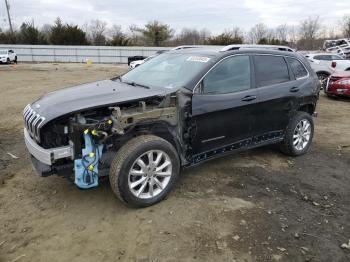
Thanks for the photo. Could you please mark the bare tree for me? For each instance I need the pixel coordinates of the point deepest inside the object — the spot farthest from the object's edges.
(257, 33)
(188, 36)
(204, 34)
(136, 35)
(282, 32)
(292, 36)
(346, 26)
(192, 36)
(118, 37)
(97, 30)
(309, 30)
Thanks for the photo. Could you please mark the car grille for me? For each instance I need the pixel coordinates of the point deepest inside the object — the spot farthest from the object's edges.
(33, 121)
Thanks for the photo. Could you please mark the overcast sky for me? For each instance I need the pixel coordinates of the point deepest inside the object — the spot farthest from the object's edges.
(215, 15)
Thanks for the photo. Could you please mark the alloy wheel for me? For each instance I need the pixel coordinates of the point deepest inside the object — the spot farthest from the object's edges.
(302, 134)
(150, 174)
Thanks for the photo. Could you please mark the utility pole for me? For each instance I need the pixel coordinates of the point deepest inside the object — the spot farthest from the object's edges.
(8, 15)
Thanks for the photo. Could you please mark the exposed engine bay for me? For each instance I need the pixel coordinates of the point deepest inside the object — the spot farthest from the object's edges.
(96, 134)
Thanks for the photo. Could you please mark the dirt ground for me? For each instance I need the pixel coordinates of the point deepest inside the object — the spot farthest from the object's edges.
(253, 206)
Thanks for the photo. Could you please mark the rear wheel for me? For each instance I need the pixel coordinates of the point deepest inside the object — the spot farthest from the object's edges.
(322, 77)
(144, 171)
(15, 60)
(299, 134)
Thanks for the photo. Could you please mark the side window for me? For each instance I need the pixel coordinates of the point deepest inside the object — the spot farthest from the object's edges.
(230, 75)
(319, 57)
(335, 57)
(297, 67)
(270, 70)
(10, 51)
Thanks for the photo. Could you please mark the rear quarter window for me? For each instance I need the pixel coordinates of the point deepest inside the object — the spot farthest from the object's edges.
(297, 67)
(270, 70)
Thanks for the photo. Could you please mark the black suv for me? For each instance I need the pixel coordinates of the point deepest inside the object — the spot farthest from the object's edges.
(177, 110)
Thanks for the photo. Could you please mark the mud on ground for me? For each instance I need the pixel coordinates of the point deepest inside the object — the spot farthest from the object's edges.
(254, 206)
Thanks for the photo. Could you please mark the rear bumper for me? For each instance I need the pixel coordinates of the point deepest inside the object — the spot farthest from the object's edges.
(47, 156)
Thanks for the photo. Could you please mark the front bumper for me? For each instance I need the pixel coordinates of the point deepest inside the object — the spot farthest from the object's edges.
(3, 59)
(47, 156)
(338, 90)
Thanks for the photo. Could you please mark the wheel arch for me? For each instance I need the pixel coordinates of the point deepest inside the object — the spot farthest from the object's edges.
(161, 129)
(323, 72)
(308, 108)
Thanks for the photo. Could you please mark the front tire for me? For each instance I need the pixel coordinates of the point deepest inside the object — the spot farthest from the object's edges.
(144, 171)
(8, 61)
(298, 135)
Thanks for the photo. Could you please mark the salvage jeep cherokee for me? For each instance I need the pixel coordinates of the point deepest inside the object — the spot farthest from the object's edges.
(177, 110)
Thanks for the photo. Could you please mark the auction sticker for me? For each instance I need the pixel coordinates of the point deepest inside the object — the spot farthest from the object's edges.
(201, 59)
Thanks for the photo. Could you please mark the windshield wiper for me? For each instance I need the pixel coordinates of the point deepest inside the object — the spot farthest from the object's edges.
(116, 78)
(136, 84)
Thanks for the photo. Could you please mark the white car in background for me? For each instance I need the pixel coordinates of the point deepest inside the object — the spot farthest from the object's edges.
(8, 56)
(323, 71)
(333, 60)
(136, 63)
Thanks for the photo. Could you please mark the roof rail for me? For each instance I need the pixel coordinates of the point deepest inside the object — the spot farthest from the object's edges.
(186, 47)
(272, 47)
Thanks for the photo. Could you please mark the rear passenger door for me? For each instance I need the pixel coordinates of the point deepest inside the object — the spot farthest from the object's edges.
(277, 94)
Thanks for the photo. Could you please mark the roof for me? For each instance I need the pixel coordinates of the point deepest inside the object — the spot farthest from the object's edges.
(244, 46)
(217, 51)
(313, 54)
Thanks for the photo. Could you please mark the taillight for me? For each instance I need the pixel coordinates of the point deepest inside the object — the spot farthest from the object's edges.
(334, 64)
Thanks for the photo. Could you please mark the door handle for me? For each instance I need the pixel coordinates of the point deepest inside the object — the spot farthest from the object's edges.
(294, 89)
(248, 98)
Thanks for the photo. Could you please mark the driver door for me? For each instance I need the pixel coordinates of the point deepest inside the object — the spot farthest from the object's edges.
(223, 106)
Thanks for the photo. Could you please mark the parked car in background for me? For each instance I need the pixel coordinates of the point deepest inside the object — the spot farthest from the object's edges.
(8, 56)
(179, 109)
(333, 60)
(136, 63)
(322, 70)
(139, 58)
(338, 84)
(338, 46)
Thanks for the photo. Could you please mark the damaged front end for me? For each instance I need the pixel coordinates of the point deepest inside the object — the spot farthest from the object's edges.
(82, 145)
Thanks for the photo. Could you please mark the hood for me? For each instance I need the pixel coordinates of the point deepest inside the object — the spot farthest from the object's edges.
(342, 74)
(89, 96)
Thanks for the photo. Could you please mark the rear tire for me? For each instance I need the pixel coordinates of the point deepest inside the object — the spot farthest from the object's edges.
(138, 177)
(15, 61)
(322, 78)
(298, 135)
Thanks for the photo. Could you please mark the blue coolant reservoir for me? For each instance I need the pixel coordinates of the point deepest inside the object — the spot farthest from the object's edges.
(86, 168)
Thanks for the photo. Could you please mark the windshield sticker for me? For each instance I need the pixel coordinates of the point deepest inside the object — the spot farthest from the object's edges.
(201, 59)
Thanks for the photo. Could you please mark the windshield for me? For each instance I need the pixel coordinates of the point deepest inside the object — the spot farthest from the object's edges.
(167, 71)
(3, 52)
